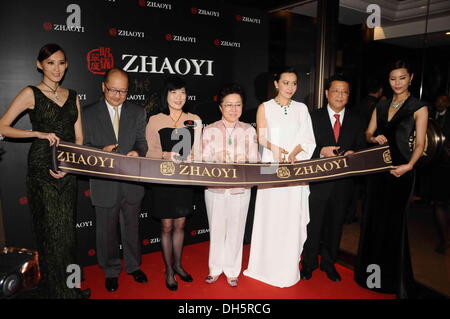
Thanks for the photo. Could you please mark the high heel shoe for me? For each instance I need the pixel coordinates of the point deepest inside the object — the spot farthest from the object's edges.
(172, 287)
(187, 277)
(233, 282)
(211, 279)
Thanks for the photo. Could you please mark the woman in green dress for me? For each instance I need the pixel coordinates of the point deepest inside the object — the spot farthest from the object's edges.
(55, 115)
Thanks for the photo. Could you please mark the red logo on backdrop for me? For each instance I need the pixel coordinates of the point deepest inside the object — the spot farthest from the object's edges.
(142, 3)
(194, 233)
(169, 37)
(238, 17)
(112, 32)
(194, 10)
(48, 26)
(87, 193)
(215, 98)
(216, 42)
(91, 252)
(23, 200)
(100, 60)
(145, 242)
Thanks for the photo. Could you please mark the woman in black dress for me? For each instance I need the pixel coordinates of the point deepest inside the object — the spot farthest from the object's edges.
(55, 114)
(384, 237)
(172, 203)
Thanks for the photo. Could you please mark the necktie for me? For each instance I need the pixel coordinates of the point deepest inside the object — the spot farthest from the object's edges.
(337, 127)
(116, 122)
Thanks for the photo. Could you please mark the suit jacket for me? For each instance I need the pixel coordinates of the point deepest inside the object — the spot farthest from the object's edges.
(351, 137)
(98, 132)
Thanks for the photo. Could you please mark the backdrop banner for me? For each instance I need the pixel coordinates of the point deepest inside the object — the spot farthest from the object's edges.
(76, 159)
(207, 43)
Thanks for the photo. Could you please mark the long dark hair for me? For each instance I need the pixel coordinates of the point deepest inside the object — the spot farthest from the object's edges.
(170, 84)
(400, 64)
(47, 50)
(287, 69)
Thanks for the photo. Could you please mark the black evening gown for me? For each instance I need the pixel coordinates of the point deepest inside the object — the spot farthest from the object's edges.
(384, 235)
(52, 201)
(172, 201)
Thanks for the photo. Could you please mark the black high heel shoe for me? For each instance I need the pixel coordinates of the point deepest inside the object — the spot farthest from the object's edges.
(172, 287)
(187, 277)
(84, 294)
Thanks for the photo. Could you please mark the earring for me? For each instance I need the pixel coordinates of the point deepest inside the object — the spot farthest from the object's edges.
(410, 83)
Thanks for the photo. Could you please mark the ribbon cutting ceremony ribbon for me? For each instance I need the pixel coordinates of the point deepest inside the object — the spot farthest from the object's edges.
(84, 160)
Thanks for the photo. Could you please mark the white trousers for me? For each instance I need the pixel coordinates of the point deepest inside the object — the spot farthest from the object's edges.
(227, 214)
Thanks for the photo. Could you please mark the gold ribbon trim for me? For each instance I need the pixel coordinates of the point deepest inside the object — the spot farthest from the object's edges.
(76, 159)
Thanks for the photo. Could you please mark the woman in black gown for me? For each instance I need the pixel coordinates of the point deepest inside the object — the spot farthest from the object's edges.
(173, 203)
(55, 114)
(384, 236)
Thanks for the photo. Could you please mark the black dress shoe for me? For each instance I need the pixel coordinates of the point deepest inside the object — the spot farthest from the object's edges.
(139, 276)
(305, 273)
(111, 284)
(85, 293)
(332, 273)
(173, 286)
(187, 277)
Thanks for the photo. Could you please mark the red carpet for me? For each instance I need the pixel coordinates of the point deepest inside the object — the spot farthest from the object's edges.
(195, 261)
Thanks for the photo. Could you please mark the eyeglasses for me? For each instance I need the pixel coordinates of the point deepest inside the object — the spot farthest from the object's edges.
(229, 106)
(114, 91)
(340, 92)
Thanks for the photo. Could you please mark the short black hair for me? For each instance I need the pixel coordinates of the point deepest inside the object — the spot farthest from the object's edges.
(231, 88)
(336, 77)
(48, 50)
(170, 84)
(286, 69)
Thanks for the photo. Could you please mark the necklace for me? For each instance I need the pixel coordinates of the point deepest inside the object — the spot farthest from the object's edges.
(54, 91)
(175, 122)
(284, 107)
(230, 140)
(397, 105)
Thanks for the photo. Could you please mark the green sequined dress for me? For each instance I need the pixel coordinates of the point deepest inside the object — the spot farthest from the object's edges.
(52, 201)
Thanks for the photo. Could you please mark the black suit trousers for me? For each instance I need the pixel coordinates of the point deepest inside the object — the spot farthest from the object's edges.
(122, 216)
(328, 202)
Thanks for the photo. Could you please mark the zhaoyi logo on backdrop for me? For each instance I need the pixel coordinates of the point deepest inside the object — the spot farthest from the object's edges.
(205, 12)
(73, 21)
(125, 33)
(155, 64)
(225, 43)
(154, 4)
(151, 241)
(199, 232)
(85, 224)
(241, 18)
(180, 38)
(100, 60)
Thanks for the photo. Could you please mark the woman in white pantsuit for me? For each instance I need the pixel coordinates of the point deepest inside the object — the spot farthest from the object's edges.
(226, 141)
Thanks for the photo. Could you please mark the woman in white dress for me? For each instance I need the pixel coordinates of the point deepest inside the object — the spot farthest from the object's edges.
(281, 213)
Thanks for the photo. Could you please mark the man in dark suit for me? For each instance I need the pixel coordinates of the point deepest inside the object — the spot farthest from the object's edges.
(336, 130)
(113, 124)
